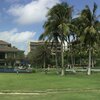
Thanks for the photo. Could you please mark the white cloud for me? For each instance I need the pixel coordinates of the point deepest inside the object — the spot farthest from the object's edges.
(15, 36)
(32, 12)
(18, 39)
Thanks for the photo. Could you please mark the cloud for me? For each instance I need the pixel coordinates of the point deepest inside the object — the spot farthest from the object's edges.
(15, 36)
(33, 12)
(18, 39)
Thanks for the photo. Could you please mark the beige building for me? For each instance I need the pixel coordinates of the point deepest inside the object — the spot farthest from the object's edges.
(52, 46)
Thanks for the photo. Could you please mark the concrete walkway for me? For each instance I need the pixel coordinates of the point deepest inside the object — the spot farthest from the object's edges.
(51, 91)
(1, 93)
(82, 70)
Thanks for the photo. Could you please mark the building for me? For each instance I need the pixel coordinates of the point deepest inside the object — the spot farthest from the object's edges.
(7, 53)
(52, 46)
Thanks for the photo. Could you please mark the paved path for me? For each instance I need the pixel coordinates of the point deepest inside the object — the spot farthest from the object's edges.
(1, 93)
(51, 91)
(83, 70)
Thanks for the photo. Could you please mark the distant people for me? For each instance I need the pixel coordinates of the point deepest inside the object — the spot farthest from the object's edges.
(49, 67)
(69, 66)
(29, 65)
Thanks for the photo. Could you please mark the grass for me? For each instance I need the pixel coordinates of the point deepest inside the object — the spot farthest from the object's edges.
(50, 86)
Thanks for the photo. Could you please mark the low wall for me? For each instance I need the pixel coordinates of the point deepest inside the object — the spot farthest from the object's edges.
(12, 70)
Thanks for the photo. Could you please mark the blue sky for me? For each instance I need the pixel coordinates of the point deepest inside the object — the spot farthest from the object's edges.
(22, 21)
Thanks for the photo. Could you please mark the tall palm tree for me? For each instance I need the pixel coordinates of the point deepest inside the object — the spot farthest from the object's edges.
(57, 26)
(89, 35)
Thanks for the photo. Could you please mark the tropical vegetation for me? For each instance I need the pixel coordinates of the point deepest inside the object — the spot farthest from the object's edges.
(81, 34)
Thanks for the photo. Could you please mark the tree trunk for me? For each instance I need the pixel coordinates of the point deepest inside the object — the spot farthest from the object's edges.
(44, 65)
(72, 61)
(56, 60)
(62, 61)
(92, 62)
(80, 61)
(89, 66)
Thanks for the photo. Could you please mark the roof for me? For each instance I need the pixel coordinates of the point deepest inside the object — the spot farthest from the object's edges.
(3, 42)
(8, 49)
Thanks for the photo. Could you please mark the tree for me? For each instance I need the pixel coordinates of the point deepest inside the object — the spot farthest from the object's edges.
(90, 34)
(40, 55)
(50, 35)
(59, 18)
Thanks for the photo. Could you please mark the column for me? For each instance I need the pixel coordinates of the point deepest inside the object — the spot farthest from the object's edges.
(5, 55)
(14, 55)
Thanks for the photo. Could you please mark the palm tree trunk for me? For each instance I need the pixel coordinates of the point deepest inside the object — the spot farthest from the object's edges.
(62, 61)
(92, 60)
(89, 66)
(56, 60)
(72, 61)
(44, 65)
(80, 61)
(92, 63)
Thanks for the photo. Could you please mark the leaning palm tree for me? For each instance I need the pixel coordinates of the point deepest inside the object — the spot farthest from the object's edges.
(51, 35)
(89, 36)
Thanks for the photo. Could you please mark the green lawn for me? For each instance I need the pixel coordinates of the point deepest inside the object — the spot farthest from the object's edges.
(50, 86)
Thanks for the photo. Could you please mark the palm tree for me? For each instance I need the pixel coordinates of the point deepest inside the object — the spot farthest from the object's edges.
(50, 35)
(57, 26)
(89, 35)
